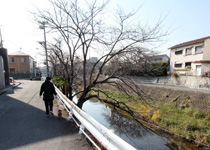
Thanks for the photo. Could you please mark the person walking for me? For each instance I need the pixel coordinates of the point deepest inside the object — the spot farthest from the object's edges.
(49, 91)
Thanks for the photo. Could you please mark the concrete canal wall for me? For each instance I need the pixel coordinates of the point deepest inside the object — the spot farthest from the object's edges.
(186, 81)
(193, 98)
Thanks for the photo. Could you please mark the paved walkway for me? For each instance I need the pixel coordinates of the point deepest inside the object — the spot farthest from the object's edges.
(24, 125)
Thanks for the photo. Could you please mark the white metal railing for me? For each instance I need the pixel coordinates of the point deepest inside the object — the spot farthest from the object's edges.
(105, 136)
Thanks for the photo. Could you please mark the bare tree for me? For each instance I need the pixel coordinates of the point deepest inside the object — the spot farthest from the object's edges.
(83, 29)
(132, 62)
(138, 62)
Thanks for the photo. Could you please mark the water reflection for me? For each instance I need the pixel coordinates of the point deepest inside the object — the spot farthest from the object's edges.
(131, 131)
(125, 125)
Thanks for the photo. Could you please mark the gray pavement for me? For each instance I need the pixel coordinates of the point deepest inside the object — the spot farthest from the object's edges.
(9, 87)
(24, 125)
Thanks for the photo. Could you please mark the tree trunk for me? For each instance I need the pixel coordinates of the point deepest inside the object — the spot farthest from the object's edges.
(70, 93)
(80, 102)
(63, 90)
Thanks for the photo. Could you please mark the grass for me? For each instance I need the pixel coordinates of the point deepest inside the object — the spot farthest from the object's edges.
(190, 123)
(183, 121)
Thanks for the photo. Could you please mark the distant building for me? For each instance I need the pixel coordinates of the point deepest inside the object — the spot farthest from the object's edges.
(160, 58)
(93, 59)
(43, 70)
(89, 65)
(20, 62)
(191, 58)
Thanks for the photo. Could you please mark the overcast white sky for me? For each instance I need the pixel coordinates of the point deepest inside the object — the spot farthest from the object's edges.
(188, 19)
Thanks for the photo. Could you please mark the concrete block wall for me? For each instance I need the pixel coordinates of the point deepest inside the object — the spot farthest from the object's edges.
(186, 81)
(195, 82)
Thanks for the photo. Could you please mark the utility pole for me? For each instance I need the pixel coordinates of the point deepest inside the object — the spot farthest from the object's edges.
(42, 26)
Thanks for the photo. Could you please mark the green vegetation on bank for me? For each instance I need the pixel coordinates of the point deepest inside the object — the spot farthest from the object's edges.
(181, 69)
(142, 69)
(181, 120)
(188, 122)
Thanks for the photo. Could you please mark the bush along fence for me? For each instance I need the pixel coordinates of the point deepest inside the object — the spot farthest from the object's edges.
(21, 75)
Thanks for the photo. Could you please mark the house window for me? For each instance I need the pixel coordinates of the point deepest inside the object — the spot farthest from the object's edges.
(11, 59)
(199, 49)
(23, 60)
(179, 52)
(188, 65)
(189, 51)
(178, 65)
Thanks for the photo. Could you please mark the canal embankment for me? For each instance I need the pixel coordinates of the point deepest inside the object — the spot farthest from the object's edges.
(180, 112)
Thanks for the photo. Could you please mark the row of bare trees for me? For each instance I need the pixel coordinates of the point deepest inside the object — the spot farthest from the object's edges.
(79, 29)
(137, 62)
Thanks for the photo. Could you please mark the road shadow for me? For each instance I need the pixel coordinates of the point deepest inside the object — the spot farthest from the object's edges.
(13, 89)
(23, 125)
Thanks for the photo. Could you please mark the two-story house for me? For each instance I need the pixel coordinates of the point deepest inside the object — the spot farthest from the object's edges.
(191, 58)
(20, 62)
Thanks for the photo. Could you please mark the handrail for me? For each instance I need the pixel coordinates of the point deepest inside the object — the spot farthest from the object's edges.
(105, 136)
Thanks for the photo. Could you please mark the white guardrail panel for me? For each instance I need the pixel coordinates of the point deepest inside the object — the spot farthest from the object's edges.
(105, 136)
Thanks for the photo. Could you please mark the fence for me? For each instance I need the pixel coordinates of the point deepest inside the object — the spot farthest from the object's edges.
(105, 136)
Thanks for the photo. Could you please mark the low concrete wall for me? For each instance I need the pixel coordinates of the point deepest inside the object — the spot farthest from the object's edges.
(186, 81)
(194, 82)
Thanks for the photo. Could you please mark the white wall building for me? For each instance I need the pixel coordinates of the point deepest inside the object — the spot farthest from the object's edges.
(160, 58)
(191, 58)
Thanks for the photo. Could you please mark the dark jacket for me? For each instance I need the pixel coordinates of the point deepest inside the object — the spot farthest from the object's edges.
(48, 89)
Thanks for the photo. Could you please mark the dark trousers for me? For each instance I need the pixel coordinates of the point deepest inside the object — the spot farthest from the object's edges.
(47, 104)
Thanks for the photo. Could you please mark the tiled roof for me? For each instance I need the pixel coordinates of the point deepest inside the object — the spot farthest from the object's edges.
(159, 56)
(19, 53)
(190, 42)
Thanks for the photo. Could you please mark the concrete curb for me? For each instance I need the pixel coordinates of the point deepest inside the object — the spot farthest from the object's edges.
(9, 87)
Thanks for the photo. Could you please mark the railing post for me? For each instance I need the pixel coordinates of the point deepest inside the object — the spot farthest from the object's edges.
(81, 129)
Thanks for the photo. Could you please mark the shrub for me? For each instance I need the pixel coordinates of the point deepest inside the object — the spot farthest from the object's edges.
(199, 114)
(175, 99)
(181, 69)
(155, 115)
(170, 122)
(174, 75)
(208, 117)
(160, 69)
(189, 112)
(192, 126)
(58, 81)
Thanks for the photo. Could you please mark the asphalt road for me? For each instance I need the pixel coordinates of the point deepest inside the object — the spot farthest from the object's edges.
(24, 125)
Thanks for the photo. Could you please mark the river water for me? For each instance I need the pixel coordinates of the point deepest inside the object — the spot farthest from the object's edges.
(131, 131)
